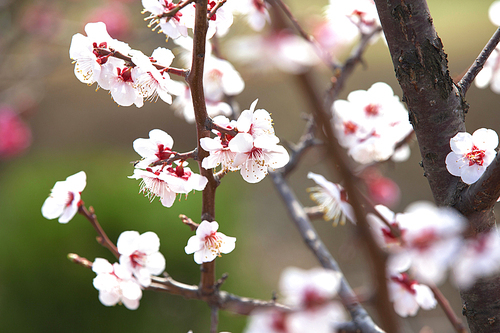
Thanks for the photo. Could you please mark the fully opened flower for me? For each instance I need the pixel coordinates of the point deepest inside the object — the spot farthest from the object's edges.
(471, 154)
(408, 295)
(173, 26)
(139, 254)
(158, 147)
(208, 243)
(116, 284)
(332, 200)
(370, 123)
(64, 198)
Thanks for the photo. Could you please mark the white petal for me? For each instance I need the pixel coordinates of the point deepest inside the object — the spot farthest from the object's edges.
(461, 143)
(485, 139)
(128, 242)
(149, 242)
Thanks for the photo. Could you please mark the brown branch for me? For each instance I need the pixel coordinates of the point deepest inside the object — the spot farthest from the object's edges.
(210, 125)
(195, 81)
(445, 305)
(311, 238)
(84, 262)
(102, 238)
(478, 64)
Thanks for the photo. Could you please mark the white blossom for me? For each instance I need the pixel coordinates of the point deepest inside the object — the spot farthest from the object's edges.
(208, 243)
(369, 124)
(158, 147)
(65, 198)
(332, 200)
(471, 154)
(116, 284)
(408, 295)
(479, 257)
(140, 255)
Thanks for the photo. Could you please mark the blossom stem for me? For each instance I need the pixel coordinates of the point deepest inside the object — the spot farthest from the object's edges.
(176, 71)
(187, 221)
(445, 305)
(174, 10)
(102, 238)
(210, 125)
(80, 260)
(465, 82)
(178, 156)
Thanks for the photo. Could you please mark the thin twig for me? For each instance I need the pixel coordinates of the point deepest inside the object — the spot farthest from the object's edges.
(174, 10)
(177, 71)
(102, 238)
(465, 82)
(310, 236)
(84, 262)
(187, 221)
(445, 305)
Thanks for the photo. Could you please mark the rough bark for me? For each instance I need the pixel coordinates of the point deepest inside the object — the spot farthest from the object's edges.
(437, 112)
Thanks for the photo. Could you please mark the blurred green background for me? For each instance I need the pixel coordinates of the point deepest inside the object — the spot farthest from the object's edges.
(75, 128)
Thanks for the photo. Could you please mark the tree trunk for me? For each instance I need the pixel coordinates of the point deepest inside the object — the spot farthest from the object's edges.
(437, 112)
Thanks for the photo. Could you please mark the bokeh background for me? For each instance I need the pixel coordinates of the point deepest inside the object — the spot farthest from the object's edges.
(71, 127)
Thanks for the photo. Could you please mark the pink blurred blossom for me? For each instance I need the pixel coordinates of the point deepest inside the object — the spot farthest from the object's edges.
(116, 17)
(15, 135)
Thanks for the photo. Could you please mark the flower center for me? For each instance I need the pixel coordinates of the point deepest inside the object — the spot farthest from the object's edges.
(312, 299)
(213, 242)
(137, 259)
(163, 152)
(124, 74)
(350, 127)
(372, 110)
(476, 156)
(71, 197)
(406, 282)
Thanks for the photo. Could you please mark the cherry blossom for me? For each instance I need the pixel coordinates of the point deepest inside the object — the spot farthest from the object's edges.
(174, 26)
(256, 145)
(369, 124)
(152, 185)
(151, 82)
(307, 289)
(408, 295)
(480, 257)
(332, 200)
(208, 243)
(158, 147)
(220, 78)
(218, 147)
(432, 237)
(119, 80)
(116, 284)
(88, 62)
(471, 154)
(65, 198)
(139, 254)
(309, 294)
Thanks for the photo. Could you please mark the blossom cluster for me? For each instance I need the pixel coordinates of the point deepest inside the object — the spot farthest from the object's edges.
(174, 19)
(123, 282)
(167, 179)
(371, 123)
(423, 243)
(310, 296)
(128, 82)
(247, 144)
